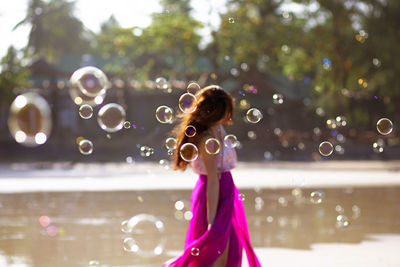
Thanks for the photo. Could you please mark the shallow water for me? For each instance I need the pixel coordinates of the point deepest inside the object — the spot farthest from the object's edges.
(85, 226)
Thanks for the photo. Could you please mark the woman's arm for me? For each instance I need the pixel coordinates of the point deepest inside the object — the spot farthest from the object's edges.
(211, 166)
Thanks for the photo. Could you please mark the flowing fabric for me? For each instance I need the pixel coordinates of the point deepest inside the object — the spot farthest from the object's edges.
(202, 246)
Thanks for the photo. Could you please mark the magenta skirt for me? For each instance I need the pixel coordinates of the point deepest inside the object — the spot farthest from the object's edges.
(202, 246)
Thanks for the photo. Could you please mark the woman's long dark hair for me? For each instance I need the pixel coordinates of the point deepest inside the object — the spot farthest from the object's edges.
(213, 104)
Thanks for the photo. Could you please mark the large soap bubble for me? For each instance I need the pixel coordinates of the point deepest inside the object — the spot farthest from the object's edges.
(29, 120)
(111, 117)
(90, 80)
(147, 235)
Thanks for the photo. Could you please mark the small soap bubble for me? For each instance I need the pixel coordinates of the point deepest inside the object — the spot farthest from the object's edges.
(164, 114)
(342, 221)
(252, 135)
(91, 81)
(317, 196)
(378, 146)
(188, 215)
(277, 99)
(171, 143)
(124, 227)
(230, 141)
(161, 83)
(231, 20)
(146, 151)
(212, 146)
(283, 201)
(253, 115)
(129, 245)
(127, 124)
(339, 209)
(190, 131)
(188, 152)
(195, 252)
(384, 126)
(325, 148)
(111, 117)
(85, 147)
(85, 111)
(241, 197)
(94, 263)
(193, 88)
(187, 103)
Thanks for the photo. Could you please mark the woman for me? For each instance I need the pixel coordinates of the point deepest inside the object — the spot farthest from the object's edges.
(218, 230)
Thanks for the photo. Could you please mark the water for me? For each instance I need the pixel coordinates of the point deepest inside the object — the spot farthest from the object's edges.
(88, 223)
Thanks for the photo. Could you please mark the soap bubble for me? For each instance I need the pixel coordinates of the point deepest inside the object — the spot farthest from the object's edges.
(317, 196)
(277, 99)
(91, 81)
(94, 263)
(187, 103)
(230, 141)
(29, 119)
(111, 117)
(212, 146)
(85, 111)
(195, 252)
(188, 152)
(85, 147)
(171, 143)
(241, 197)
(231, 20)
(127, 124)
(253, 115)
(325, 148)
(384, 126)
(147, 235)
(193, 88)
(179, 205)
(161, 83)
(342, 221)
(378, 146)
(164, 114)
(190, 131)
(124, 227)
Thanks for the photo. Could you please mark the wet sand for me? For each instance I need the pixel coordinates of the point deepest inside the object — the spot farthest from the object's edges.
(86, 205)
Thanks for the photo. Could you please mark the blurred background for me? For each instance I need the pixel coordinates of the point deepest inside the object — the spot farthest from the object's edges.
(85, 184)
(332, 65)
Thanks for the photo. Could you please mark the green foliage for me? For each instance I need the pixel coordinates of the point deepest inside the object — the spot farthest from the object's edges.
(47, 37)
(13, 75)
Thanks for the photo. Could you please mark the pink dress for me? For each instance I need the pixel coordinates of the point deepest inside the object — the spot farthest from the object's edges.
(202, 246)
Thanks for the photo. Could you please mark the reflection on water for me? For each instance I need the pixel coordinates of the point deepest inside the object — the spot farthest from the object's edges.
(84, 228)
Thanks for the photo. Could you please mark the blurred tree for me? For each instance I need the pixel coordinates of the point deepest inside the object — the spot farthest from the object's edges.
(55, 31)
(13, 75)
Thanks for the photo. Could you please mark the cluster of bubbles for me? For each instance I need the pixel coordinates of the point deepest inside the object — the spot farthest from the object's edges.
(339, 121)
(146, 151)
(146, 235)
(29, 120)
(241, 197)
(378, 146)
(171, 144)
